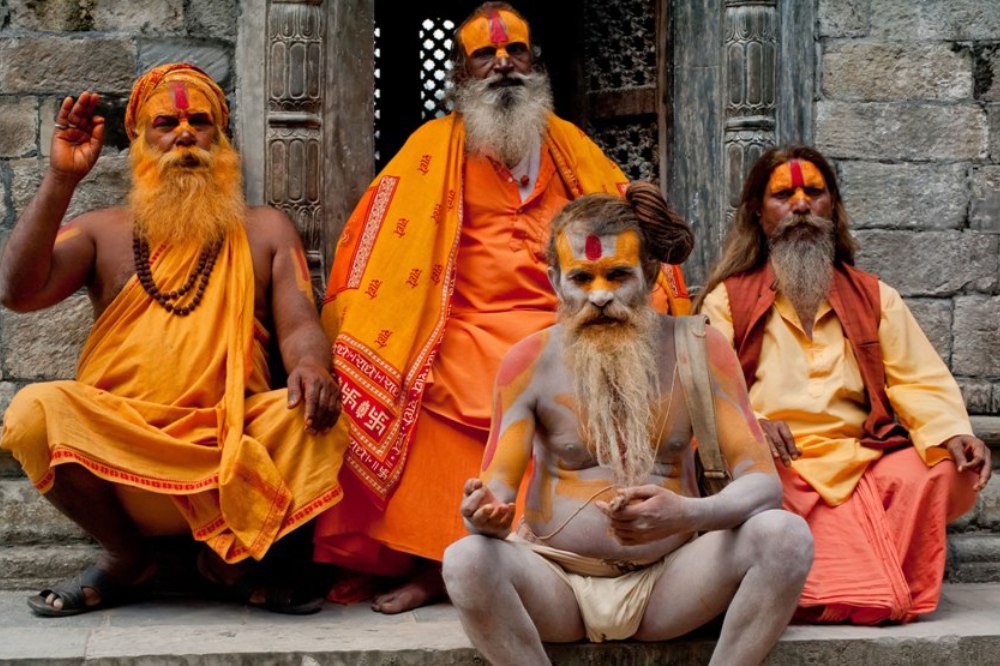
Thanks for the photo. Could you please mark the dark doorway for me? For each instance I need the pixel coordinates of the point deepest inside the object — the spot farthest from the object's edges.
(412, 45)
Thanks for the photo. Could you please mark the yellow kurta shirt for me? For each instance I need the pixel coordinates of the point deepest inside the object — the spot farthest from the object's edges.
(815, 387)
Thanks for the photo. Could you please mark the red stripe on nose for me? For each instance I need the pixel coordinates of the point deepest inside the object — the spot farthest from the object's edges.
(593, 248)
(180, 96)
(498, 31)
(797, 179)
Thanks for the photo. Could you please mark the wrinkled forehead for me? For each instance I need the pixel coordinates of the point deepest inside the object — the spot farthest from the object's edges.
(579, 248)
(172, 97)
(793, 174)
(497, 28)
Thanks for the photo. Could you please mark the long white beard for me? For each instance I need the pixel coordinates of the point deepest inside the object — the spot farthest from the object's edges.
(802, 250)
(505, 121)
(617, 389)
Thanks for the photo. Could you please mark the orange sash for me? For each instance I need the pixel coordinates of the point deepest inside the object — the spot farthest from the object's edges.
(388, 296)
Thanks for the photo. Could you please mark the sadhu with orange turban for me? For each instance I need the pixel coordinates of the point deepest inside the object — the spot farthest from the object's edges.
(171, 425)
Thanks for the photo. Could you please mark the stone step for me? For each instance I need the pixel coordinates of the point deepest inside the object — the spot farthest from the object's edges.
(26, 517)
(962, 632)
(34, 567)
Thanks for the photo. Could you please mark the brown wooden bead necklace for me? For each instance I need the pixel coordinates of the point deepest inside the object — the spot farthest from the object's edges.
(203, 269)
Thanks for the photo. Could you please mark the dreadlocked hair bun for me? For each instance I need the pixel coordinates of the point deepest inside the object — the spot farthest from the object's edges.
(668, 237)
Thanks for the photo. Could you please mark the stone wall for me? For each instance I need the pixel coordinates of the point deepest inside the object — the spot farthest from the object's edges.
(909, 108)
(53, 48)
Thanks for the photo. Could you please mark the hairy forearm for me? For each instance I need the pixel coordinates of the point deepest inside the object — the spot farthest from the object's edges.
(27, 257)
(744, 497)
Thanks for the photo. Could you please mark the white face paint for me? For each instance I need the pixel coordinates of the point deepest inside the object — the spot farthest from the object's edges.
(600, 279)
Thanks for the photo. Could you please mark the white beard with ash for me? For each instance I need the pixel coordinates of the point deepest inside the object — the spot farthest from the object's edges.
(617, 388)
(802, 250)
(505, 114)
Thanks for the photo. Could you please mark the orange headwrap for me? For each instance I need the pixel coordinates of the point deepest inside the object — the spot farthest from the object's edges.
(190, 74)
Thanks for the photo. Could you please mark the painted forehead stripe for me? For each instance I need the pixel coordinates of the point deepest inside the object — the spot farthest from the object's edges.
(179, 91)
(593, 248)
(797, 179)
(498, 31)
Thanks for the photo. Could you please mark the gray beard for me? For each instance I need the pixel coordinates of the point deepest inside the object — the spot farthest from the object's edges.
(617, 388)
(802, 251)
(505, 121)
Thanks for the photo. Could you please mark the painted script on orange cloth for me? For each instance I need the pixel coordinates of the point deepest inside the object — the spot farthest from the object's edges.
(181, 406)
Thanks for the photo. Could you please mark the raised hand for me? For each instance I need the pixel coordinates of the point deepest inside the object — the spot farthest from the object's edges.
(78, 138)
(484, 513)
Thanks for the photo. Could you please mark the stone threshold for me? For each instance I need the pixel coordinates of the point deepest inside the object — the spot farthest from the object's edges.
(963, 631)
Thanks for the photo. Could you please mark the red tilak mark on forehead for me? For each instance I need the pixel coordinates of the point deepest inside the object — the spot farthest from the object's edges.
(498, 31)
(593, 247)
(180, 96)
(797, 179)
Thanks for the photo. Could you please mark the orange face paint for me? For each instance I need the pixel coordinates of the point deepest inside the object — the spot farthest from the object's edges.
(797, 177)
(497, 30)
(593, 255)
(169, 101)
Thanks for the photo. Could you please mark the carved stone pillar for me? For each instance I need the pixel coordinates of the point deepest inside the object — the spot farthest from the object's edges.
(750, 33)
(294, 138)
(305, 113)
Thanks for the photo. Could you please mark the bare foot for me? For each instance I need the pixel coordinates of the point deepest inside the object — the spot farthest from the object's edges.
(352, 587)
(426, 586)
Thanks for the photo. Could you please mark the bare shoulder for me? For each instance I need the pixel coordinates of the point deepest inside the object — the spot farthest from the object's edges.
(524, 357)
(721, 355)
(270, 226)
(102, 220)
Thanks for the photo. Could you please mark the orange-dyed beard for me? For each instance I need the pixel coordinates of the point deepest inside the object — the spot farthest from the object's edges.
(188, 195)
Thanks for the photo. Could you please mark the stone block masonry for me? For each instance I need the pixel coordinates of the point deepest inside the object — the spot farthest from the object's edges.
(909, 110)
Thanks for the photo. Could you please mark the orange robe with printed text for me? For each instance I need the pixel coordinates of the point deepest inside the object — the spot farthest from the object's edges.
(181, 407)
(500, 294)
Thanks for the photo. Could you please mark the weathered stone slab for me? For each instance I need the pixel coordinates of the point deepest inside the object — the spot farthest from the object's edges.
(145, 16)
(897, 71)
(984, 211)
(27, 518)
(934, 317)
(213, 58)
(18, 126)
(994, 115)
(931, 263)
(7, 391)
(989, 501)
(212, 18)
(106, 185)
(905, 20)
(904, 196)
(844, 18)
(902, 131)
(52, 16)
(33, 567)
(987, 73)
(977, 336)
(44, 64)
(974, 558)
(978, 395)
(46, 344)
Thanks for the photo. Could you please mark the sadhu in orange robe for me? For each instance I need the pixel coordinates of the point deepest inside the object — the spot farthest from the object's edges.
(440, 270)
(180, 407)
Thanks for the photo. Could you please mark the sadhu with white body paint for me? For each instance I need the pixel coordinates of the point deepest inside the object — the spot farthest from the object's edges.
(607, 547)
(171, 426)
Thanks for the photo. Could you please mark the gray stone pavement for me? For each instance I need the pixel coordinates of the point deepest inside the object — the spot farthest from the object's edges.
(965, 630)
